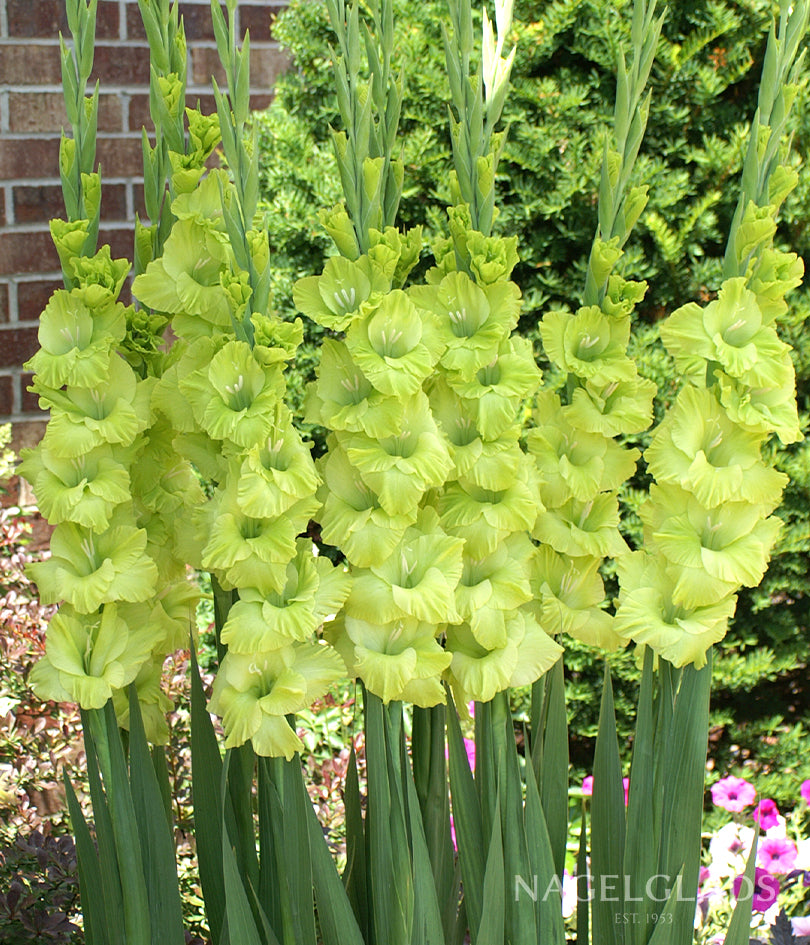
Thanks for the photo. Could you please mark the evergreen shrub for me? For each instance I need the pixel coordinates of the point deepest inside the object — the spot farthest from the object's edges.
(704, 85)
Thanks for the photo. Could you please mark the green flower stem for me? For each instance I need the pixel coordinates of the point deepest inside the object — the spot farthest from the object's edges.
(619, 208)
(370, 109)
(781, 77)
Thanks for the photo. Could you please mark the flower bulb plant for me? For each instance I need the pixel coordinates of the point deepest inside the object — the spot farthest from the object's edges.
(472, 507)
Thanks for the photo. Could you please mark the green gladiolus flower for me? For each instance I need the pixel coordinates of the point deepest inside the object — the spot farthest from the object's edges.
(649, 614)
(100, 278)
(88, 657)
(589, 345)
(775, 274)
(699, 448)
(729, 331)
(492, 258)
(88, 569)
(254, 692)
(571, 462)
(417, 581)
(185, 281)
(402, 466)
(492, 588)
(615, 409)
(407, 247)
(277, 474)
(343, 398)
(485, 517)
(490, 464)
(472, 321)
(396, 661)
(353, 518)
(569, 594)
(394, 347)
(153, 701)
(162, 479)
(496, 391)
(622, 296)
(233, 397)
(283, 338)
(172, 614)
(336, 297)
(730, 544)
(764, 405)
(245, 551)
(85, 490)
(583, 528)
(86, 418)
(477, 673)
(75, 341)
(314, 590)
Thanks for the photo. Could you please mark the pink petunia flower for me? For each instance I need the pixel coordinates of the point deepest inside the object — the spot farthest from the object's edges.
(469, 746)
(626, 786)
(804, 790)
(777, 855)
(800, 925)
(733, 794)
(766, 814)
(587, 785)
(766, 889)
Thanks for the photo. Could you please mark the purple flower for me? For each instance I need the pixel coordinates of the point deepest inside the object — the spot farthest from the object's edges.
(733, 794)
(626, 786)
(766, 889)
(587, 785)
(777, 855)
(805, 791)
(766, 813)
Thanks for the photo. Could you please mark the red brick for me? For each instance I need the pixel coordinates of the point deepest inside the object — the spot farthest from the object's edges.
(6, 395)
(4, 302)
(29, 402)
(120, 242)
(120, 157)
(31, 158)
(121, 65)
(32, 297)
(29, 64)
(196, 19)
(2, 208)
(266, 64)
(17, 345)
(259, 21)
(40, 204)
(45, 18)
(27, 252)
(45, 111)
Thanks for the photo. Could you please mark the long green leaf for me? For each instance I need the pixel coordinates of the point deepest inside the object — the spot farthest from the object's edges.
(607, 826)
(643, 841)
(125, 831)
(554, 768)
(550, 928)
(490, 931)
(466, 820)
(739, 928)
(206, 776)
(112, 896)
(683, 792)
(336, 917)
(91, 886)
(355, 876)
(583, 897)
(428, 926)
(160, 870)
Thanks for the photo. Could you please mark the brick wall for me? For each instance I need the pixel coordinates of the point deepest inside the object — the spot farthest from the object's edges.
(31, 117)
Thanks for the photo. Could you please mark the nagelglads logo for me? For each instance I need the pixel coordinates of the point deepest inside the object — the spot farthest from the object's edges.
(610, 888)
